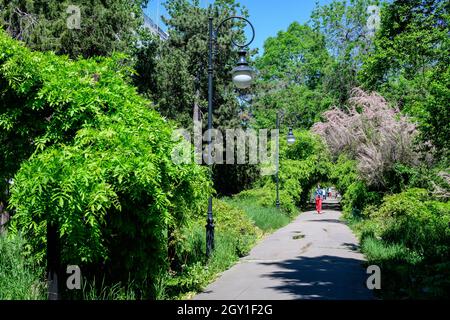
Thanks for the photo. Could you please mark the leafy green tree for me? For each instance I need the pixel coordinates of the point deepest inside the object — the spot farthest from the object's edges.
(105, 26)
(292, 70)
(297, 56)
(145, 63)
(302, 106)
(413, 38)
(182, 78)
(88, 154)
(434, 125)
(410, 64)
(344, 26)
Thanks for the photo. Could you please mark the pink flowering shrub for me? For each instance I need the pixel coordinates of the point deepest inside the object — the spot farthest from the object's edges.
(373, 133)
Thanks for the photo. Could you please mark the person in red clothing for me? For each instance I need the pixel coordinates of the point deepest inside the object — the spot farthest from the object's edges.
(318, 197)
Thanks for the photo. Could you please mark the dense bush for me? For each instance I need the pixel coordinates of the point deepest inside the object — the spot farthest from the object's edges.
(302, 165)
(46, 99)
(235, 235)
(357, 197)
(408, 236)
(357, 194)
(100, 169)
(412, 219)
(228, 220)
(233, 221)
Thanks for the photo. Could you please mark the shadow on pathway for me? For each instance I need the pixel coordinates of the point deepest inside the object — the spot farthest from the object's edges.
(314, 257)
(323, 277)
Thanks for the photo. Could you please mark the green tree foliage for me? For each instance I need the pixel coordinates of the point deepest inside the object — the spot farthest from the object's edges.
(296, 56)
(413, 219)
(292, 72)
(182, 78)
(32, 116)
(302, 106)
(145, 64)
(302, 165)
(437, 117)
(344, 26)
(234, 237)
(100, 165)
(105, 26)
(410, 64)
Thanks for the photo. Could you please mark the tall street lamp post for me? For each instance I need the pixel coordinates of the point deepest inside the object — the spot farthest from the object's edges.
(290, 140)
(242, 76)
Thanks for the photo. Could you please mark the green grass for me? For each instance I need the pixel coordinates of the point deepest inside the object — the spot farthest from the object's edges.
(377, 252)
(405, 273)
(268, 219)
(20, 277)
(197, 272)
(93, 291)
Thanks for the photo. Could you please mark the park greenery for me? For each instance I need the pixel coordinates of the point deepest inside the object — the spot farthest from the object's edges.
(86, 134)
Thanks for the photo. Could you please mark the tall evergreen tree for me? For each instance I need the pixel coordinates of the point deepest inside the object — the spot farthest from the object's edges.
(182, 77)
(98, 28)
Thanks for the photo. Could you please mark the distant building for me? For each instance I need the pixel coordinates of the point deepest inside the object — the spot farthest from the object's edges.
(154, 28)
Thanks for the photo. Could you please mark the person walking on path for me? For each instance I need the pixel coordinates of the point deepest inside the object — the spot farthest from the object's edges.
(318, 197)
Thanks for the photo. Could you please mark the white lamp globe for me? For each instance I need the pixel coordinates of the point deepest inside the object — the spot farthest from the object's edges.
(290, 137)
(242, 75)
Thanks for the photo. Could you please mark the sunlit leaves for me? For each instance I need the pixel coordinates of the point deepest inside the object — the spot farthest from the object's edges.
(99, 166)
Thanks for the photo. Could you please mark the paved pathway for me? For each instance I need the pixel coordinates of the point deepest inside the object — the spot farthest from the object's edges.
(314, 257)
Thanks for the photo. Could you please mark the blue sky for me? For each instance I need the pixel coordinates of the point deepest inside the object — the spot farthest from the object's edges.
(268, 16)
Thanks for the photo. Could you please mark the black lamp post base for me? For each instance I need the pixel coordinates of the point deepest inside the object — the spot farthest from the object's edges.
(53, 286)
(53, 262)
(209, 238)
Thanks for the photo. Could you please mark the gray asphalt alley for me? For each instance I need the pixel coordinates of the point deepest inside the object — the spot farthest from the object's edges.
(314, 257)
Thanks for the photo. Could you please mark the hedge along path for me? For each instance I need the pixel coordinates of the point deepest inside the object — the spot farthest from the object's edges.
(314, 257)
